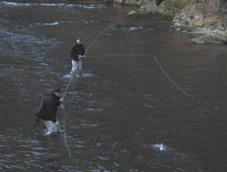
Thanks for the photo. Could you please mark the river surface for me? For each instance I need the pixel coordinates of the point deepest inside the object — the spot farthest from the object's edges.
(148, 101)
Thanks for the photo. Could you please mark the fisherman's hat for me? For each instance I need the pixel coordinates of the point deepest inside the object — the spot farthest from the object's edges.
(58, 90)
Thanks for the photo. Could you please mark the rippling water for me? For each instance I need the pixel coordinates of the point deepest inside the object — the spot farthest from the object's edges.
(125, 113)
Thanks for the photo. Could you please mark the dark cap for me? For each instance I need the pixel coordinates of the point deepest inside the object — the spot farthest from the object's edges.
(58, 90)
(80, 39)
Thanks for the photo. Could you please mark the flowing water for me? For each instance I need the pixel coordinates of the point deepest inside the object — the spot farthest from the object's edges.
(148, 99)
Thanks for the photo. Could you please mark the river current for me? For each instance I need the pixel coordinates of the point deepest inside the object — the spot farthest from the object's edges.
(148, 101)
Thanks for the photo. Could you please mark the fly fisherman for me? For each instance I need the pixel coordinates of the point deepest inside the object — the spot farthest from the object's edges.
(47, 110)
(77, 54)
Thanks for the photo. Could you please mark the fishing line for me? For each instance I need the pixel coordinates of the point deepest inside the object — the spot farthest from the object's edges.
(170, 78)
(66, 143)
(194, 97)
(86, 53)
(70, 81)
(133, 55)
(99, 36)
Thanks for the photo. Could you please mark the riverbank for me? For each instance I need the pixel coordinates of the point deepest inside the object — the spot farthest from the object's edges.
(206, 19)
(210, 24)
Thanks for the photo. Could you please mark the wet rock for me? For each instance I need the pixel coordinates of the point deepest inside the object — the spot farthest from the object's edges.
(213, 37)
(131, 2)
(193, 19)
(187, 16)
(151, 9)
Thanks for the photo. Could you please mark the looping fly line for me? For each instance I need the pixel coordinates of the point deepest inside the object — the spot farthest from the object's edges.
(133, 55)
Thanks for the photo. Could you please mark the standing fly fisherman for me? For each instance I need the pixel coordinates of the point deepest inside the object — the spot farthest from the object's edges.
(47, 110)
(77, 54)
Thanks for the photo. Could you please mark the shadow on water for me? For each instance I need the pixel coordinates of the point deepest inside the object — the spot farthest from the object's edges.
(124, 107)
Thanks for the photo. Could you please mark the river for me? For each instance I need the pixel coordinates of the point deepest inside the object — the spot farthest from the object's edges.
(148, 101)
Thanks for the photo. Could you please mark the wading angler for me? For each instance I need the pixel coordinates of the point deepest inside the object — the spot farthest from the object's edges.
(77, 54)
(47, 110)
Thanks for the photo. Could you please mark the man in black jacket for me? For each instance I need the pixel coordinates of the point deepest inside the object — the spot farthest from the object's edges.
(77, 54)
(47, 110)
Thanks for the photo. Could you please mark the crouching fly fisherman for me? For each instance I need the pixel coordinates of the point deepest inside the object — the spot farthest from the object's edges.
(47, 110)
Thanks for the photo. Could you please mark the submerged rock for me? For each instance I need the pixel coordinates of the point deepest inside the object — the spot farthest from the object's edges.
(213, 37)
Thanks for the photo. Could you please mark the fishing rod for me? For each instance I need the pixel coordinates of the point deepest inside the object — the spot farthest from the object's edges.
(133, 55)
(86, 53)
(99, 36)
(70, 81)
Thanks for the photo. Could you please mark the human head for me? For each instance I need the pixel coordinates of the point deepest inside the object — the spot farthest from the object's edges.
(79, 40)
(57, 91)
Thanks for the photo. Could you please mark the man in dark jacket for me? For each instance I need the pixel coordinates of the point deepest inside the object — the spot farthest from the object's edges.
(77, 54)
(47, 110)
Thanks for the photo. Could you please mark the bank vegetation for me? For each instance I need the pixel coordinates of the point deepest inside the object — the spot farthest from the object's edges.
(205, 17)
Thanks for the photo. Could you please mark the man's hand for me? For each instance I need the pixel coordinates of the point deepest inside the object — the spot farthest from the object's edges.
(56, 123)
(61, 100)
(81, 57)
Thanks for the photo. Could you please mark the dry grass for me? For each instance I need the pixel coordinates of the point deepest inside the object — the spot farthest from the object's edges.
(213, 13)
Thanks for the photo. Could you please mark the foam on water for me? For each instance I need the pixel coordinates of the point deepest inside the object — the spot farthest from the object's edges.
(67, 76)
(84, 75)
(160, 147)
(91, 6)
(92, 109)
(51, 24)
(89, 75)
(14, 3)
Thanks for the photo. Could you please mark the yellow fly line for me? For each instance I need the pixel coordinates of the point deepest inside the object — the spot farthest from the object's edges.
(115, 55)
(132, 55)
(170, 78)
